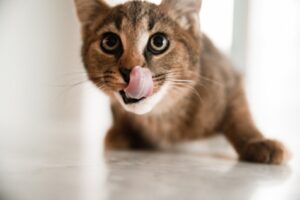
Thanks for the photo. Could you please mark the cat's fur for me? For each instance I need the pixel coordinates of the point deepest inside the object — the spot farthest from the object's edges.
(197, 92)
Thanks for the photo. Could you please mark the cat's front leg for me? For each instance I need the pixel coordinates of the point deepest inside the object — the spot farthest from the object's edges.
(126, 138)
(249, 143)
(115, 139)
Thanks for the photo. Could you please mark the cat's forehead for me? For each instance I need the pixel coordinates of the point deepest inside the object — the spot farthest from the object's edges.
(134, 17)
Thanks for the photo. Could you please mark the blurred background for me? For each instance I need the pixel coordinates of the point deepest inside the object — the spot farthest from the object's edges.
(50, 113)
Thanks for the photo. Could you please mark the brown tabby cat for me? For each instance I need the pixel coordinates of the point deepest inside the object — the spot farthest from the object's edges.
(166, 80)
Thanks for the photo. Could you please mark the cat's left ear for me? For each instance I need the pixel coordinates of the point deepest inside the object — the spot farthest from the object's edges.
(184, 12)
(88, 10)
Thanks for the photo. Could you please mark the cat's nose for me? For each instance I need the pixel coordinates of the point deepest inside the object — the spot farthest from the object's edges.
(125, 74)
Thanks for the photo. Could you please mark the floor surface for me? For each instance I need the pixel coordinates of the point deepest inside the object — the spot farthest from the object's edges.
(58, 166)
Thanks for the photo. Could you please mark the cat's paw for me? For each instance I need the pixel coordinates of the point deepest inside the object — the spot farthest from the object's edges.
(265, 151)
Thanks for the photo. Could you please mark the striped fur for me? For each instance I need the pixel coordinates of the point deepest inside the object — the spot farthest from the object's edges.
(197, 92)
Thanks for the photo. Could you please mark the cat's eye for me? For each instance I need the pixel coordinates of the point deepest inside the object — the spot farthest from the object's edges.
(110, 43)
(158, 43)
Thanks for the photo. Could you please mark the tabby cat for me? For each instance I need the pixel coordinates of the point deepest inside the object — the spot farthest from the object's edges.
(166, 80)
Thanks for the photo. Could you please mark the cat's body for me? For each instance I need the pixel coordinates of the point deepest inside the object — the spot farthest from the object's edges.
(194, 90)
(197, 114)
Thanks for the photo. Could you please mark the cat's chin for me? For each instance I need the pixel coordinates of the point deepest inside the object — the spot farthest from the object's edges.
(145, 105)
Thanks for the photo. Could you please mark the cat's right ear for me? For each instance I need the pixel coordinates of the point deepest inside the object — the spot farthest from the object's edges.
(88, 10)
(184, 12)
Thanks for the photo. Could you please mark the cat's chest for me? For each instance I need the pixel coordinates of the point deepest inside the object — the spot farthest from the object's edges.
(168, 128)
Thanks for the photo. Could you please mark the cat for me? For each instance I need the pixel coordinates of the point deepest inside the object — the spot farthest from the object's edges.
(166, 80)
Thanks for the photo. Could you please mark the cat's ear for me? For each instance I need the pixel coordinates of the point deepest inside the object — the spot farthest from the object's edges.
(184, 12)
(87, 10)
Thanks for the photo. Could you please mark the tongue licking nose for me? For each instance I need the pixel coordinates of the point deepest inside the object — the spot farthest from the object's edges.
(140, 84)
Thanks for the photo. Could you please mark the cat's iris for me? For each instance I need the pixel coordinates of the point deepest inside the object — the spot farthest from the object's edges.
(110, 43)
(158, 43)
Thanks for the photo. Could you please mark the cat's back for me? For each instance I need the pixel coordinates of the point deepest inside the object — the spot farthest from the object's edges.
(215, 66)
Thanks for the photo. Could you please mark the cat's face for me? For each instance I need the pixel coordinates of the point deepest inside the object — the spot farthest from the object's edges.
(138, 43)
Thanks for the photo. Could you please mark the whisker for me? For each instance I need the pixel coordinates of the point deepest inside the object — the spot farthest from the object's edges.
(159, 79)
(109, 72)
(67, 88)
(181, 81)
(100, 85)
(115, 84)
(194, 92)
(166, 73)
(103, 77)
(187, 86)
(211, 81)
(72, 84)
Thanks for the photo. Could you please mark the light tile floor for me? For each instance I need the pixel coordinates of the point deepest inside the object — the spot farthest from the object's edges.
(60, 166)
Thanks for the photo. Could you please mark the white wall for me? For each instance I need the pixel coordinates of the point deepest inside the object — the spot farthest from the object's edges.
(39, 48)
(40, 62)
(273, 75)
(43, 112)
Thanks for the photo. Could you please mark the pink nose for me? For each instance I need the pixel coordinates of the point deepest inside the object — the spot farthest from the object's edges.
(140, 83)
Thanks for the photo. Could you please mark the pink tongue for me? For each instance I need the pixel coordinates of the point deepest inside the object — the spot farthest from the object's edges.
(140, 84)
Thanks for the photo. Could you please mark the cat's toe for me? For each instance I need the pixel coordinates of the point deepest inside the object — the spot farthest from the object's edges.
(264, 151)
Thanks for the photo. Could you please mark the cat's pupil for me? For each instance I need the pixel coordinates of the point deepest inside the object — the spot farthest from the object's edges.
(158, 41)
(158, 44)
(111, 41)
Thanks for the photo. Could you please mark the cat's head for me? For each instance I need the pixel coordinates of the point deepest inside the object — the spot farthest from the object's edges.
(141, 54)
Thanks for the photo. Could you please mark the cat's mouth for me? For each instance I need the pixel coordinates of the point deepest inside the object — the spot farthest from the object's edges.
(128, 100)
(140, 84)
(140, 104)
